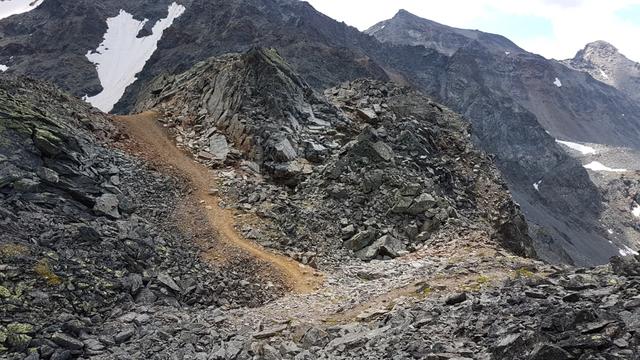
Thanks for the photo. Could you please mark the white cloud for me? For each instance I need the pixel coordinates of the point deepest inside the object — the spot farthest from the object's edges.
(574, 22)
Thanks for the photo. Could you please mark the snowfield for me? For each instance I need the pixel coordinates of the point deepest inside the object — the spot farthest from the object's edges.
(15, 7)
(557, 82)
(596, 166)
(585, 150)
(3, 68)
(122, 55)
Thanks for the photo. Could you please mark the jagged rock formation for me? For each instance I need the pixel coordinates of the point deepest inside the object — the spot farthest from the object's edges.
(378, 170)
(255, 101)
(84, 232)
(605, 63)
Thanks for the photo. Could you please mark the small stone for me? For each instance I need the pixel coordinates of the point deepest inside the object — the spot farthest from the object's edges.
(107, 204)
(124, 335)
(549, 352)
(166, 280)
(270, 332)
(573, 297)
(67, 342)
(621, 343)
(455, 298)
(536, 295)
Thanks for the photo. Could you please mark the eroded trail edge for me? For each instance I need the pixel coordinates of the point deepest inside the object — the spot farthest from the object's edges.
(144, 129)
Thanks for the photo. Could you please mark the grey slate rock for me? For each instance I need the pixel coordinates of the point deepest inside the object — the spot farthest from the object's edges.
(67, 342)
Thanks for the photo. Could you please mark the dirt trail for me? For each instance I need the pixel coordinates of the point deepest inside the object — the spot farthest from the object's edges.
(144, 129)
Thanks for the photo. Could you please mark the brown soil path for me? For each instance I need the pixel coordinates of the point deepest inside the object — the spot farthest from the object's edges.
(144, 129)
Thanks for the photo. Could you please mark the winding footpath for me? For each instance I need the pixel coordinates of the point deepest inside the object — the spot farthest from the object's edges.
(148, 133)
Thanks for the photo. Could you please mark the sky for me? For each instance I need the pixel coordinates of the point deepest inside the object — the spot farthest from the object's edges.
(552, 28)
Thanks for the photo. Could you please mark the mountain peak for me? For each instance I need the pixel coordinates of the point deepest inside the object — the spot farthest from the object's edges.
(402, 13)
(601, 45)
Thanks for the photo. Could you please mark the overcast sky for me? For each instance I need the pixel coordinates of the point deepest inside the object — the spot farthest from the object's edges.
(553, 28)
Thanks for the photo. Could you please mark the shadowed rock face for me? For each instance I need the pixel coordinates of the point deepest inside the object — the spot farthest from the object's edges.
(605, 63)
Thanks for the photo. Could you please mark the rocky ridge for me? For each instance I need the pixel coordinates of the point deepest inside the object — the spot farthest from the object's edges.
(374, 168)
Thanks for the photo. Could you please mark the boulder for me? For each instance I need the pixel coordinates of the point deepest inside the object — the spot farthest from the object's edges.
(383, 151)
(367, 114)
(219, 147)
(359, 240)
(47, 142)
(421, 204)
(107, 204)
(166, 280)
(387, 245)
(455, 298)
(315, 152)
(283, 151)
(67, 342)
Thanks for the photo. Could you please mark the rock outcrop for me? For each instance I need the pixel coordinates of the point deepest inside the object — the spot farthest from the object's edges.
(372, 168)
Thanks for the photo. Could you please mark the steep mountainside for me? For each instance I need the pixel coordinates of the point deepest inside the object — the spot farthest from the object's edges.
(568, 103)
(524, 85)
(604, 62)
(408, 29)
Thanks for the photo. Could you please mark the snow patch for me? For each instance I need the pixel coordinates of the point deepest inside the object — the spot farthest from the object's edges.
(610, 232)
(536, 185)
(3, 68)
(557, 82)
(604, 74)
(122, 55)
(596, 166)
(585, 150)
(382, 27)
(627, 251)
(15, 7)
(636, 210)
(507, 53)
